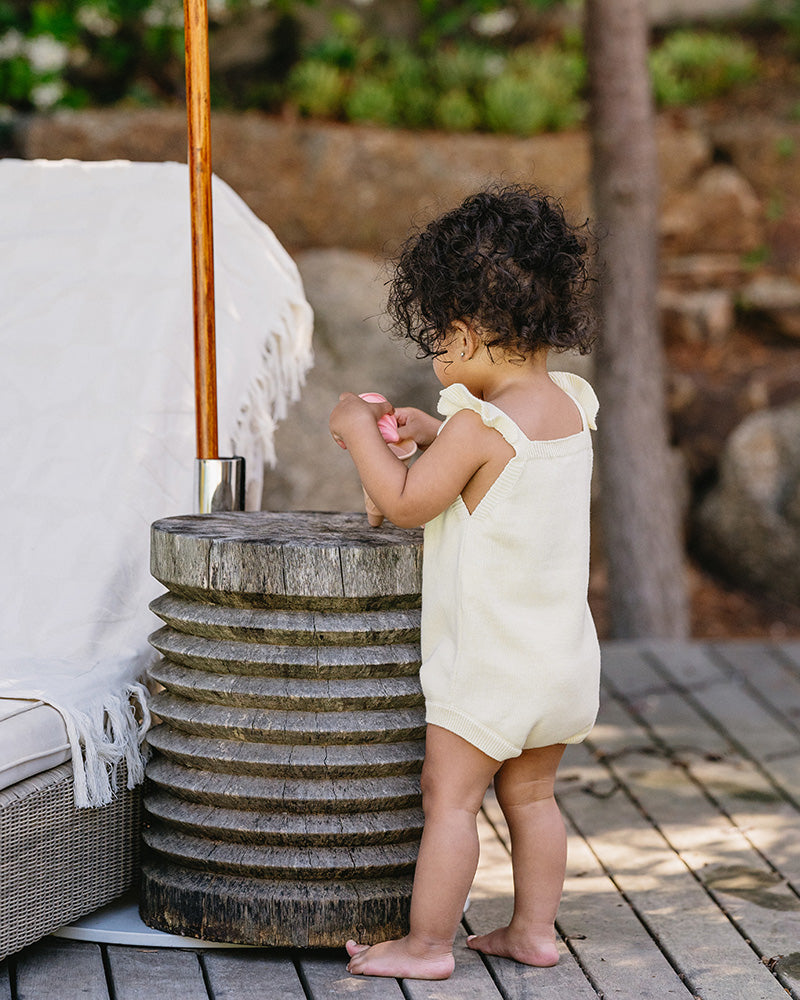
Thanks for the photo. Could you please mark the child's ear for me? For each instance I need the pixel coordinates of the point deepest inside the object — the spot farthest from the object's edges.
(469, 340)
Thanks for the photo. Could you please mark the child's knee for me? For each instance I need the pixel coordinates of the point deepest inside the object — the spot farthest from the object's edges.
(511, 793)
(439, 793)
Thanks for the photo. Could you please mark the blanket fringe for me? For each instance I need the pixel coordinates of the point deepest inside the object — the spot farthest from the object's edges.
(101, 738)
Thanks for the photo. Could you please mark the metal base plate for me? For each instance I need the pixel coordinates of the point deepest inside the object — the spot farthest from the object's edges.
(120, 923)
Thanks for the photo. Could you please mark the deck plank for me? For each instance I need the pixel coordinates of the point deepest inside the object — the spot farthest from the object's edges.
(760, 806)
(620, 958)
(252, 975)
(790, 652)
(702, 944)
(632, 666)
(731, 708)
(470, 980)
(613, 946)
(768, 675)
(491, 904)
(326, 977)
(134, 971)
(742, 883)
(56, 970)
(683, 813)
(769, 822)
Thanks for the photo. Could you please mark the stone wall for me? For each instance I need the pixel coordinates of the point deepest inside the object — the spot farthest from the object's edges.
(359, 187)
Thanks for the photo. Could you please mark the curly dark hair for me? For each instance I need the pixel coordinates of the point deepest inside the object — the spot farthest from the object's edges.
(506, 261)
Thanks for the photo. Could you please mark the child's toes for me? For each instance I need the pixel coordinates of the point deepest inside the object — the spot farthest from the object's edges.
(354, 948)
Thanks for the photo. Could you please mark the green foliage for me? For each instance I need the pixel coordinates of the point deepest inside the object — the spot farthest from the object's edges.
(91, 52)
(692, 66)
(785, 13)
(540, 90)
(371, 100)
(317, 88)
(455, 111)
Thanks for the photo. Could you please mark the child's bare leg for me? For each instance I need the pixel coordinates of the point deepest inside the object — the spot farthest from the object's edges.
(524, 787)
(455, 777)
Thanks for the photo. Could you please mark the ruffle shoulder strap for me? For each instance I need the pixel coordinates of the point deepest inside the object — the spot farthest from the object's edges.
(581, 392)
(458, 397)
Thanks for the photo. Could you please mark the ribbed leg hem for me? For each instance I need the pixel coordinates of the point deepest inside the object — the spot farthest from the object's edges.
(473, 732)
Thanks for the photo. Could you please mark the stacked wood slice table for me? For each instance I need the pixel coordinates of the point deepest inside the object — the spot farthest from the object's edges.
(282, 805)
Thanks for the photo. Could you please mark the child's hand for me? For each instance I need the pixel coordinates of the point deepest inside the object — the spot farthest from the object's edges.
(417, 425)
(352, 415)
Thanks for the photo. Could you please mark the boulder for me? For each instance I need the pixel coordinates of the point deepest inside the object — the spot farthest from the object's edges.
(720, 213)
(778, 299)
(766, 150)
(696, 317)
(695, 272)
(749, 525)
(352, 353)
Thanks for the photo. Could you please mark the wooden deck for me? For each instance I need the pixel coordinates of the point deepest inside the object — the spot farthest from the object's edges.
(683, 812)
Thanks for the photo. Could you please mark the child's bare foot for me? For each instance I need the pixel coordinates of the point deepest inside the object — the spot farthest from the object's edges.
(504, 942)
(399, 960)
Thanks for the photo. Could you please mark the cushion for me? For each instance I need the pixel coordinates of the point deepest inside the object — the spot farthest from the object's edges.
(33, 738)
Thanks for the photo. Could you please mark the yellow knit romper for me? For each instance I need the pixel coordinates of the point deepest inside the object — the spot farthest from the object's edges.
(510, 658)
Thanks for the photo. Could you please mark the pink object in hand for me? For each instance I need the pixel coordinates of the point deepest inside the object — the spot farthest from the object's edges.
(387, 424)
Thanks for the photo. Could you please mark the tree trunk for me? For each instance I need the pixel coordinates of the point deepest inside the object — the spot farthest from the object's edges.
(641, 522)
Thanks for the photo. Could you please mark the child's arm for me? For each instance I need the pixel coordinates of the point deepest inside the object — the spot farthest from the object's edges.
(417, 425)
(410, 497)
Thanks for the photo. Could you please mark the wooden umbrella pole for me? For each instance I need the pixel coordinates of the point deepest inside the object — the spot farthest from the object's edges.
(199, 119)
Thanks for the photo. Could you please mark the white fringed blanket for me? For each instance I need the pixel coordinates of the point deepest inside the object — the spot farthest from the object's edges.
(97, 418)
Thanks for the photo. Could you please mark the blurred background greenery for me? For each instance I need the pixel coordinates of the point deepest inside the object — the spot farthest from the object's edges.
(455, 65)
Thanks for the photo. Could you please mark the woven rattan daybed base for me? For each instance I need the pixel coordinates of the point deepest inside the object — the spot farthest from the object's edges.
(57, 862)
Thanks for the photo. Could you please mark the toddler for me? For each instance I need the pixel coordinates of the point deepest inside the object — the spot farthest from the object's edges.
(510, 659)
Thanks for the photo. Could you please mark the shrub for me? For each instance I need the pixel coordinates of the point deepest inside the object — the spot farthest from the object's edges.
(695, 65)
(317, 88)
(461, 67)
(538, 90)
(371, 100)
(456, 112)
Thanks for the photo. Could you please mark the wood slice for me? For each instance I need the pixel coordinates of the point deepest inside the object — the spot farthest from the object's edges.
(275, 861)
(279, 760)
(284, 828)
(275, 913)
(305, 628)
(292, 729)
(287, 559)
(288, 693)
(225, 656)
(277, 726)
(237, 791)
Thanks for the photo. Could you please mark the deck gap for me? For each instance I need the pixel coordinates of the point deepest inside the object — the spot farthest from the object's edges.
(201, 960)
(486, 963)
(110, 985)
(12, 976)
(301, 975)
(571, 949)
